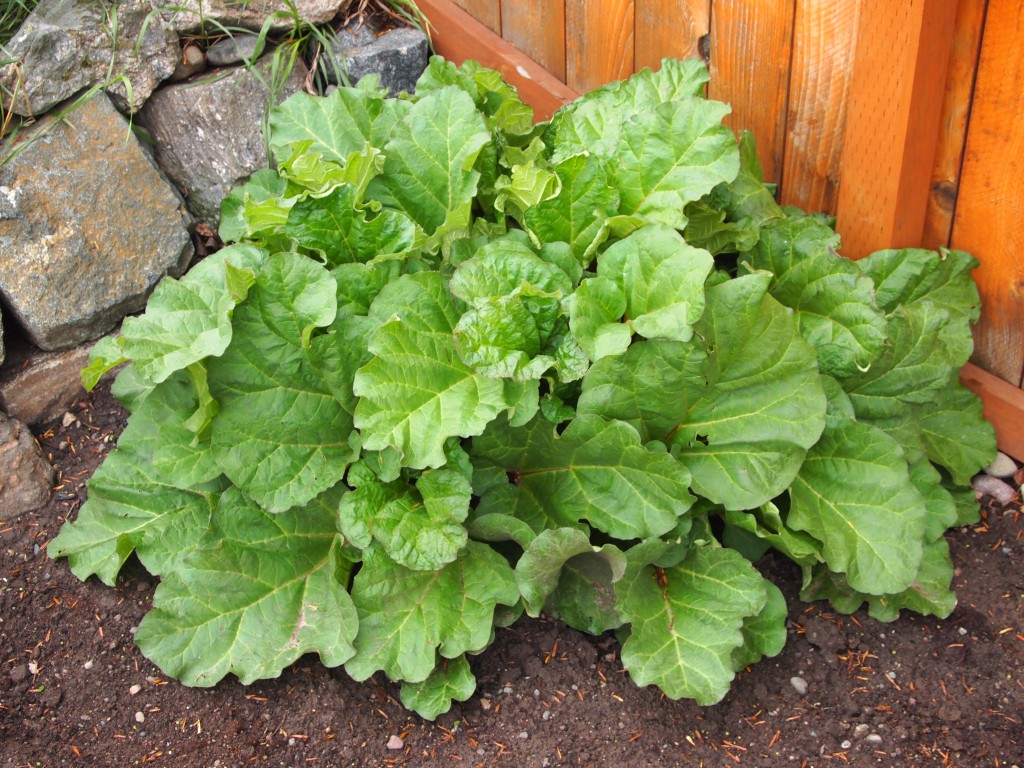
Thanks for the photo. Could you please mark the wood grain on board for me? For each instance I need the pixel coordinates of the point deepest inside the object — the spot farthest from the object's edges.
(458, 36)
(824, 37)
(892, 125)
(751, 49)
(537, 28)
(668, 28)
(487, 12)
(598, 42)
(956, 107)
(988, 220)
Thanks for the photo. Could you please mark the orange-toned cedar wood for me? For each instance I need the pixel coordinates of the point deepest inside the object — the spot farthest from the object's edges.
(537, 28)
(598, 42)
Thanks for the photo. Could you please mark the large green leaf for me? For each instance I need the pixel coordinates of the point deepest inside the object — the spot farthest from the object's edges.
(259, 592)
(407, 617)
(596, 470)
(671, 155)
(854, 494)
(338, 228)
(189, 319)
(834, 302)
(153, 495)
(955, 433)
(417, 392)
(428, 170)
(739, 405)
(578, 214)
(765, 633)
(912, 275)
(301, 383)
(337, 125)
(662, 279)
(928, 594)
(687, 622)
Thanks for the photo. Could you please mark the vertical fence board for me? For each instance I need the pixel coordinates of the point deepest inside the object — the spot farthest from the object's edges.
(956, 106)
(751, 50)
(598, 42)
(824, 37)
(894, 108)
(988, 209)
(537, 28)
(487, 12)
(669, 28)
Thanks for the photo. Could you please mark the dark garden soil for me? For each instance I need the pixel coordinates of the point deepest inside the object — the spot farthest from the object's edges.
(918, 692)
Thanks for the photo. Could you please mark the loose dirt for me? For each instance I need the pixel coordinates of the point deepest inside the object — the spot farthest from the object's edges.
(918, 692)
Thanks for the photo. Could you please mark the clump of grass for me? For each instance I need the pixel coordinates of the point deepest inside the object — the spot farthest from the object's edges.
(12, 14)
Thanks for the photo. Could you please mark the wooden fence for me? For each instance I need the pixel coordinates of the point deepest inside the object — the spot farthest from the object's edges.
(905, 118)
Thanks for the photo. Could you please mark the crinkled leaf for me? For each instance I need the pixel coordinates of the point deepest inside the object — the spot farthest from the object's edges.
(596, 311)
(578, 214)
(739, 404)
(662, 279)
(854, 495)
(833, 301)
(275, 366)
(189, 319)
(104, 357)
(265, 184)
(452, 680)
(765, 633)
(955, 433)
(671, 155)
(359, 284)
(406, 617)
(595, 470)
(687, 622)
(503, 267)
(133, 508)
(416, 392)
(503, 339)
(260, 591)
(419, 527)
(497, 100)
(929, 593)
(707, 228)
(924, 351)
(338, 124)
(912, 275)
(562, 573)
(338, 228)
(428, 170)
(765, 524)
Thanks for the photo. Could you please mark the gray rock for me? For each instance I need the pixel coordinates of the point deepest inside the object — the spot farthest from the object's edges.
(25, 476)
(251, 15)
(88, 226)
(799, 685)
(39, 386)
(65, 46)
(208, 132)
(232, 50)
(191, 62)
(399, 56)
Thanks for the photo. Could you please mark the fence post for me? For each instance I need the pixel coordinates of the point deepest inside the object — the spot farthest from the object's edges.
(893, 116)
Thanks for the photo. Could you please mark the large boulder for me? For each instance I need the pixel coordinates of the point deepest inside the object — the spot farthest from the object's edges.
(198, 16)
(398, 55)
(208, 132)
(65, 46)
(88, 225)
(25, 476)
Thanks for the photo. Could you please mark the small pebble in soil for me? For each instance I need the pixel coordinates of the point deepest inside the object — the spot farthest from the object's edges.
(88, 664)
(873, 738)
(134, 689)
(524, 735)
(395, 742)
(861, 729)
(1003, 466)
(140, 717)
(846, 744)
(986, 485)
(799, 684)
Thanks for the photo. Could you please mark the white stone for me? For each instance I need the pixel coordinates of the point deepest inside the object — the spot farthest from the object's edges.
(1002, 466)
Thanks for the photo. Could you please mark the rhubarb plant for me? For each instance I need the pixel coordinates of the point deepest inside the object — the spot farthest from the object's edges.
(456, 367)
